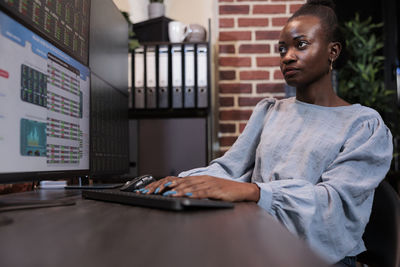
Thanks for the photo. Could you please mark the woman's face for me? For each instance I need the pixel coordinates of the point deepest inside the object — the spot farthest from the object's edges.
(304, 51)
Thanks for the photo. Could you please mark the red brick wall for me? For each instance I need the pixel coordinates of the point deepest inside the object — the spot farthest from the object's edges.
(248, 61)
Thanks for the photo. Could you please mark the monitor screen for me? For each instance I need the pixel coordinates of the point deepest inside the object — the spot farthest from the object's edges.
(44, 107)
(64, 22)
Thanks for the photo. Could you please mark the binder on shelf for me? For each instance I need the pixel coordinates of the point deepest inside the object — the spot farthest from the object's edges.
(176, 68)
(138, 90)
(130, 81)
(189, 91)
(130, 98)
(163, 70)
(151, 97)
(202, 78)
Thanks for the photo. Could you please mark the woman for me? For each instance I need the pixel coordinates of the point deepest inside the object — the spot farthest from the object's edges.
(312, 161)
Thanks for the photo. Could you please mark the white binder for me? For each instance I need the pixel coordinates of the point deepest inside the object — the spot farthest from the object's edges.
(176, 53)
(151, 99)
(163, 94)
(202, 78)
(189, 93)
(139, 78)
(130, 85)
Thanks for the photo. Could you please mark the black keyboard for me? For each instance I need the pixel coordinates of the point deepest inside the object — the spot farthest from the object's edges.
(154, 201)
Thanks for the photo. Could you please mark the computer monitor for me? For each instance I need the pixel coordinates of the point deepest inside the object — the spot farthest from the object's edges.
(108, 61)
(65, 23)
(44, 108)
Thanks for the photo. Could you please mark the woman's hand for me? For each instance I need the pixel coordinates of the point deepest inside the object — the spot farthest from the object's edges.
(204, 187)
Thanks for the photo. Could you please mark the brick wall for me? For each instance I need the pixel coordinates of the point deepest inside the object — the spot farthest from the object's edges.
(248, 60)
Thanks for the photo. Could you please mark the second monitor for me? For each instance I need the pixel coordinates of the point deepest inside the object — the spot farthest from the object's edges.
(44, 107)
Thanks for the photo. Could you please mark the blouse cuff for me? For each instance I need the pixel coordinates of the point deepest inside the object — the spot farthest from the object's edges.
(265, 200)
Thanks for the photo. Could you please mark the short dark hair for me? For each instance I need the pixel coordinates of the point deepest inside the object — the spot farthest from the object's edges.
(325, 11)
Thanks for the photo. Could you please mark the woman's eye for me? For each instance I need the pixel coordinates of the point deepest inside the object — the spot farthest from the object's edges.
(302, 44)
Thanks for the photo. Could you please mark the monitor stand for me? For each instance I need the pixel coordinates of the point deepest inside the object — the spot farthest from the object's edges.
(10, 205)
(33, 200)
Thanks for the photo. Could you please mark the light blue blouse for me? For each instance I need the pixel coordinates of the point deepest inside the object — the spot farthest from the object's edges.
(316, 167)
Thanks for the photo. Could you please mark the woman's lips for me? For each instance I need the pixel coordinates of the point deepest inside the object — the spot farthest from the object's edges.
(290, 72)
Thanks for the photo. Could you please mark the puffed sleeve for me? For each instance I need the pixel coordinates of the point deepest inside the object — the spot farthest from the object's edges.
(238, 162)
(332, 214)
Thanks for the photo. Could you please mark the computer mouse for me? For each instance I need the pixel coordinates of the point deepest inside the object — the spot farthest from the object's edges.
(137, 183)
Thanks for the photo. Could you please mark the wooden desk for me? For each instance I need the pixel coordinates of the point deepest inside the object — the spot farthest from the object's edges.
(93, 233)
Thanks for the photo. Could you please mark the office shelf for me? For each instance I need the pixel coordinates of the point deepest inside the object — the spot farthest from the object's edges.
(170, 96)
(167, 113)
(170, 80)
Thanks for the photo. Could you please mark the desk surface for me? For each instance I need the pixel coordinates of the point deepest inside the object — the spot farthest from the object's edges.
(93, 233)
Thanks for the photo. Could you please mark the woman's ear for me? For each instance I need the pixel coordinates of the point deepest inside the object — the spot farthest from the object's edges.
(334, 50)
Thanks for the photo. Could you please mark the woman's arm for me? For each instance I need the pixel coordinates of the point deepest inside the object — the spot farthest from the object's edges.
(238, 162)
(223, 178)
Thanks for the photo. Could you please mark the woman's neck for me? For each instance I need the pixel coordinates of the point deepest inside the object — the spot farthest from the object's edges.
(320, 93)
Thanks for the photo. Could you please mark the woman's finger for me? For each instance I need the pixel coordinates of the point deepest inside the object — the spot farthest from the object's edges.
(192, 190)
(161, 185)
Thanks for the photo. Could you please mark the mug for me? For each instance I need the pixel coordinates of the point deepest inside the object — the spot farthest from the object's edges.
(177, 31)
(196, 33)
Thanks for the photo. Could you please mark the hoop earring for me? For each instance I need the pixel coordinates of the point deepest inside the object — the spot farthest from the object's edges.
(331, 66)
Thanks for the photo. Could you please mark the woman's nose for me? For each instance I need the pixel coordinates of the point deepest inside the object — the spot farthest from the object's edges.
(289, 56)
